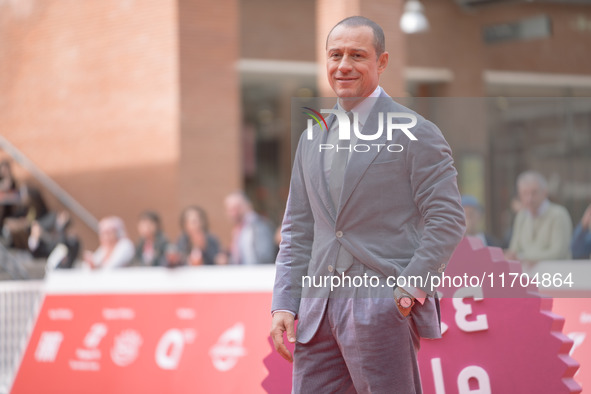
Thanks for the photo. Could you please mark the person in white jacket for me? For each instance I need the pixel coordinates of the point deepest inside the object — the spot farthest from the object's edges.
(115, 250)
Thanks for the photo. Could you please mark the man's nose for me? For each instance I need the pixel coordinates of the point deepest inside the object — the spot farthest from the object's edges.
(345, 64)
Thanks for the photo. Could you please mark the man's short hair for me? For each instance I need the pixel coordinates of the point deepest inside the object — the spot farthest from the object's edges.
(471, 201)
(532, 176)
(240, 195)
(379, 41)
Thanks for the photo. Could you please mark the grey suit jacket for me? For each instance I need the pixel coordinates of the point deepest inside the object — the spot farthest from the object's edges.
(399, 214)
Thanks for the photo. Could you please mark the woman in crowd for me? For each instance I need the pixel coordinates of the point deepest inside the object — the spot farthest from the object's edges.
(196, 245)
(151, 246)
(115, 250)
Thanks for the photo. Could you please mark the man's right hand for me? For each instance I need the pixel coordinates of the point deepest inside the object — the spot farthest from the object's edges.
(282, 322)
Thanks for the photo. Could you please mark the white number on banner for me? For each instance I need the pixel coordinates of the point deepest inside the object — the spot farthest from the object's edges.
(473, 372)
(463, 310)
(169, 349)
(470, 372)
(437, 376)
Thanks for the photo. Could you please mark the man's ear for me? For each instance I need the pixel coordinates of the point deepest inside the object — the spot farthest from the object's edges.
(382, 62)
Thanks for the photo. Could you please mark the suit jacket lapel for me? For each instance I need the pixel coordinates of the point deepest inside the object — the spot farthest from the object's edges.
(360, 161)
(317, 175)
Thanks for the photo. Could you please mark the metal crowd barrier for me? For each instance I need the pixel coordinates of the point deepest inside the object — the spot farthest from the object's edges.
(19, 304)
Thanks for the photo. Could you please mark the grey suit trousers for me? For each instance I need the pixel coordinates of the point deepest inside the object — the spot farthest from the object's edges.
(351, 352)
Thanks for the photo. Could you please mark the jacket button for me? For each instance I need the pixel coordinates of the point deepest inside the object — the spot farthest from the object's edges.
(330, 268)
(339, 234)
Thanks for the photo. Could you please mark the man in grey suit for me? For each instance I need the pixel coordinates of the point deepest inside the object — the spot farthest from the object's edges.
(387, 217)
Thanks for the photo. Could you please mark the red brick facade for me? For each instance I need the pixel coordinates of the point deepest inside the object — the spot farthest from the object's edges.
(133, 105)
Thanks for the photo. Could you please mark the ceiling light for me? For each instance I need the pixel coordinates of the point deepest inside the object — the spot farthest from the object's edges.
(413, 19)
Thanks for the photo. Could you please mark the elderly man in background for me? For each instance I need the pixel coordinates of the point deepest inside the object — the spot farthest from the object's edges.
(542, 230)
(252, 235)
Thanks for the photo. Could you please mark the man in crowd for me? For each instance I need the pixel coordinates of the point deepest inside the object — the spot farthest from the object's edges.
(378, 213)
(581, 245)
(474, 211)
(252, 235)
(542, 230)
(48, 233)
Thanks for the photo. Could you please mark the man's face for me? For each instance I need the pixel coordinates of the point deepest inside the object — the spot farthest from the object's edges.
(235, 209)
(531, 196)
(352, 66)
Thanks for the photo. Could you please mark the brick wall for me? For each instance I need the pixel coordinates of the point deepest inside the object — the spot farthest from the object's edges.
(90, 94)
(132, 105)
(455, 41)
(210, 122)
(278, 29)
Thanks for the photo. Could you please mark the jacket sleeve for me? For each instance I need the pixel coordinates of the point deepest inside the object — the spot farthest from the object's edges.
(429, 165)
(297, 234)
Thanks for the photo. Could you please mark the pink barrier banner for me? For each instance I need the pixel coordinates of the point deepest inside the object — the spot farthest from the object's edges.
(207, 331)
(577, 326)
(171, 340)
(148, 343)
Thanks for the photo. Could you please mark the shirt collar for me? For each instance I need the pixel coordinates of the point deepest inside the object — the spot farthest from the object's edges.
(364, 108)
(542, 209)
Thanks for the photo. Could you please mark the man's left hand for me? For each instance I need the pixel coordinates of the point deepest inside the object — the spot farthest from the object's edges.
(405, 311)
